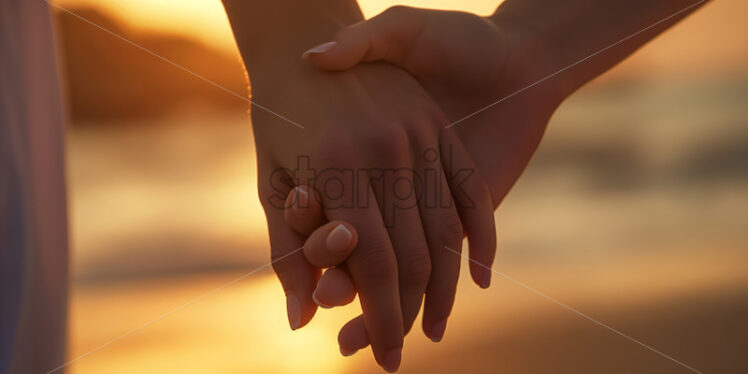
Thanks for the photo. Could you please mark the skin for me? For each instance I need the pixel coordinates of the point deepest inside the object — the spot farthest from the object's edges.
(373, 116)
(498, 78)
(495, 82)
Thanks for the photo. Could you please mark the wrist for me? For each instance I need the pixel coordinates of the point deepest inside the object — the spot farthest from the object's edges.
(533, 58)
(272, 35)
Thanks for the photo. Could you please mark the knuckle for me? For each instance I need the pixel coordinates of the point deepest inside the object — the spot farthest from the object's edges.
(334, 148)
(433, 117)
(426, 121)
(438, 117)
(378, 262)
(452, 230)
(279, 266)
(417, 268)
(389, 141)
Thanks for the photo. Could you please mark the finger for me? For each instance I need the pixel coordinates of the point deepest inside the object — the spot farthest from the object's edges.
(353, 337)
(388, 36)
(334, 288)
(474, 205)
(396, 193)
(296, 275)
(443, 228)
(373, 268)
(302, 210)
(330, 244)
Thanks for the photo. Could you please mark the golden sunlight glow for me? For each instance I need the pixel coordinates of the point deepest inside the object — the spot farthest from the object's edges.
(164, 211)
(248, 318)
(206, 19)
(482, 7)
(202, 19)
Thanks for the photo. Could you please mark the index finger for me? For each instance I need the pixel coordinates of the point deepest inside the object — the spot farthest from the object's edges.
(373, 268)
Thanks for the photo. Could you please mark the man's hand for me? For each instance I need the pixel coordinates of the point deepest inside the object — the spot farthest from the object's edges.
(500, 78)
(465, 62)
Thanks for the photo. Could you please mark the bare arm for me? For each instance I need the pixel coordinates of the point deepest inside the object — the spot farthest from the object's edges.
(595, 35)
(275, 32)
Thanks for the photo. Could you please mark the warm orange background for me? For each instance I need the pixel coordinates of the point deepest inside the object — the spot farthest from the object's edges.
(633, 212)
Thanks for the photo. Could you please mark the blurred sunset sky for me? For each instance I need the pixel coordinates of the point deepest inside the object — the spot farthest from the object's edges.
(717, 32)
(183, 16)
(633, 211)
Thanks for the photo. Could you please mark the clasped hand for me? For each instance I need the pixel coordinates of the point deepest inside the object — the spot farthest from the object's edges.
(382, 159)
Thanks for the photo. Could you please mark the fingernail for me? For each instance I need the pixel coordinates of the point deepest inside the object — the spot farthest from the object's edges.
(322, 48)
(391, 360)
(291, 199)
(297, 198)
(339, 239)
(302, 198)
(316, 300)
(485, 280)
(346, 352)
(437, 331)
(294, 311)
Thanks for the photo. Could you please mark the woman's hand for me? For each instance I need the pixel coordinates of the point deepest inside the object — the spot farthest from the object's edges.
(498, 80)
(363, 139)
(327, 247)
(371, 141)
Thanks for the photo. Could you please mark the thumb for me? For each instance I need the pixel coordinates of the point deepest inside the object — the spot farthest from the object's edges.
(388, 36)
(330, 244)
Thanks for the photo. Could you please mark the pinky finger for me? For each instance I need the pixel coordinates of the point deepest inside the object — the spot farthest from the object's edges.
(475, 207)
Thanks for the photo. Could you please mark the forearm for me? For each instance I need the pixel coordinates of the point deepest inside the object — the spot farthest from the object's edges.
(570, 31)
(273, 32)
